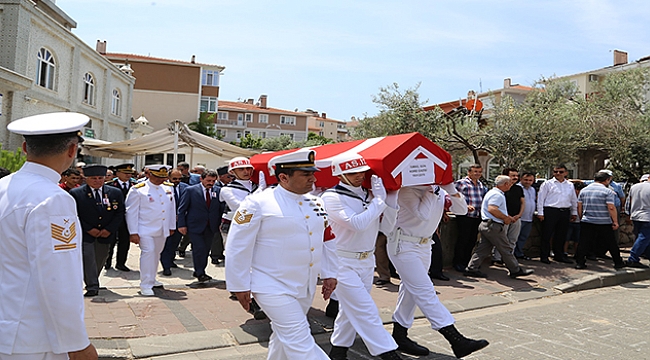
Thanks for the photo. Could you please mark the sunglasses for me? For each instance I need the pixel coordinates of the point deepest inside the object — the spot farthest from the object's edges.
(558, 171)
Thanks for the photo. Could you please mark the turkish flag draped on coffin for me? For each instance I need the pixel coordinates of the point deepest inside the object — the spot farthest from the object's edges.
(400, 160)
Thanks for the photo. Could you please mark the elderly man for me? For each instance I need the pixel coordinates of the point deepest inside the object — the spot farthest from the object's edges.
(124, 182)
(598, 220)
(494, 215)
(638, 206)
(151, 218)
(516, 204)
(280, 250)
(41, 302)
(356, 217)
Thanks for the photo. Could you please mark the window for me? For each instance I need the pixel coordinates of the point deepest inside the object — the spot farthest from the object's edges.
(288, 120)
(222, 115)
(263, 118)
(210, 78)
(238, 134)
(320, 133)
(89, 89)
(248, 118)
(208, 104)
(263, 134)
(287, 134)
(45, 69)
(115, 103)
(240, 118)
(222, 133)
(247, 132)
(321, 123)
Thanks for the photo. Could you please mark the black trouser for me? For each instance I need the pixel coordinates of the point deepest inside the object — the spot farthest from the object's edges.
(216, 252)
(467, 236)
(436, 256)
(600, 236)
(123, 245)
(555, 225)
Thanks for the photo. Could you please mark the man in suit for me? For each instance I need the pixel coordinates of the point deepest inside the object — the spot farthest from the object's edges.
(42, 311)
(151, 218)
(124, 182)
(101, 211)
(171, 243)
(199, 215)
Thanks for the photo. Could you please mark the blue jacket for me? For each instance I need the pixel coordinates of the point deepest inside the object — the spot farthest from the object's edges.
(193, 211)
(108, 216)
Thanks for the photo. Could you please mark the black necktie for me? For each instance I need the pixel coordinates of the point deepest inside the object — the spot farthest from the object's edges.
(176, 194)
(125, 188)
(98, 198)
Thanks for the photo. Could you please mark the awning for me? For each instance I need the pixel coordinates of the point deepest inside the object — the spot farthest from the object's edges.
(400, 160)
(162, 141)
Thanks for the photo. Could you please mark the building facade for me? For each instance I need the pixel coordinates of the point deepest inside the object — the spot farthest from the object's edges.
(45, 68)
(332, 129)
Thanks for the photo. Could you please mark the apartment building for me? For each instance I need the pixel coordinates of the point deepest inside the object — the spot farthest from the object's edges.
(237, 119)
(45, 68)
(329, 128)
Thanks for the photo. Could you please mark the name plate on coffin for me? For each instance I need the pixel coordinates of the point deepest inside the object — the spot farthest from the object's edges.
(418, 172)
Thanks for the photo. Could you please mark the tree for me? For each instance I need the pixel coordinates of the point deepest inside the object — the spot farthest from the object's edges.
(250, 142)
(12, 161)
(205, 124)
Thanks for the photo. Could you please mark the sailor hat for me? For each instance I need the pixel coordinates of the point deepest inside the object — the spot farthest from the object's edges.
(57, 123)
(302, 159)
(239, 162)
(348, 163)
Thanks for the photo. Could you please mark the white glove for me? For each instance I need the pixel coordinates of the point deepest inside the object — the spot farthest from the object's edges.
(378, 189)
(391, 199)
(262, 181)
(449, 188)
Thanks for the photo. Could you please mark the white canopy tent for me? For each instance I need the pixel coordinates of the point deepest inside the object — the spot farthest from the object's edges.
(176, 136)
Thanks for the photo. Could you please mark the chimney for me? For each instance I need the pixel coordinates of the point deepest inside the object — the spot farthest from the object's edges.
(471, 95)
(193, 61)
(324, 116)
(620, 57)
(506, 83)
(101, 47)
(263, 101)
(249, 101)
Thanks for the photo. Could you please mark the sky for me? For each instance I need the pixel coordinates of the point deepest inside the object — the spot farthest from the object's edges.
(333, 56)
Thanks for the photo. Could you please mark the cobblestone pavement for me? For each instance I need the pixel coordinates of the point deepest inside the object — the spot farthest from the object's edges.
(607, 323)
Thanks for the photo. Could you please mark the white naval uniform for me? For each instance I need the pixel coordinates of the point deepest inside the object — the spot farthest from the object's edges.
(356, 225)
(278, 256)
(150, 213)
(41, 271)
(420, 211)
(233, 196)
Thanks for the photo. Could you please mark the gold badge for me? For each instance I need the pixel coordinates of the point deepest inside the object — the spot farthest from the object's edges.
(242, 217)
(62, 236)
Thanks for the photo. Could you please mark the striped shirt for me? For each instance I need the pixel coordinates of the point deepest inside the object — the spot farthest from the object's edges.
(594, 199)
(473, 194)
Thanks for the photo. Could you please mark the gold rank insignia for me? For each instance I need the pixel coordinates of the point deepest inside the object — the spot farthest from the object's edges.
(242, 217)
(63, 234)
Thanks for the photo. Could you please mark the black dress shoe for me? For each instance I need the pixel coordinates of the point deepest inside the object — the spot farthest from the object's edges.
(620, 265)
(475, 273)
(459, 268)
(545, 260)
(521, 272)
(167, 272)
(91, 293)
(581, 266)
(181, 253)
(332, 309)
(215, 261)
(636, 264)
(173, 265)
(122, 268)
(563, 259)
(524, 257)
(440, 276)
(256, 310)
(107, 267)
(381, 282)
(204, 277)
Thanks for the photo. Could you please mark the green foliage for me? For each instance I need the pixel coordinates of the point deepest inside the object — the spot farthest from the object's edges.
(284, 142)
(205, 124)
(12, 161)
(250, 142)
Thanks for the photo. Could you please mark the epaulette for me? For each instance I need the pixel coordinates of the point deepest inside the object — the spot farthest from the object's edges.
(168, 183)
(139, 185)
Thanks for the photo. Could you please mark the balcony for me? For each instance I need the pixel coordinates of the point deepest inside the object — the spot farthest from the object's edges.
(230, 124)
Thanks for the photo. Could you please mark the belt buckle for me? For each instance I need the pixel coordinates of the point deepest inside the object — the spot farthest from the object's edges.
(364, 255)
(424, 241)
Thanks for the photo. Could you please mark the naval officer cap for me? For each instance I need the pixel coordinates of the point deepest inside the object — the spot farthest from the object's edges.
(57, 123)
(159, 170)
(125, 168)
(302, 159)
(95, 170)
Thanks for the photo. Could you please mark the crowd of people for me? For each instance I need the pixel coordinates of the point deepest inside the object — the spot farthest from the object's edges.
(278, 241)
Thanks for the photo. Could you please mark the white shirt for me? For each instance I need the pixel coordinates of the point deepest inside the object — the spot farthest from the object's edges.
(529, 198)
(279, 246)
(420, 209)
(150, 210)
(557, 194)
(356, 224)
(41, 271)
(234, 197)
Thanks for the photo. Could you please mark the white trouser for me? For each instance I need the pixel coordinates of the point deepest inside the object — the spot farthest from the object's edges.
(358, 312)
(37, 356)
(150, 249)
(291, 337)
(412, 264)
(512, 234)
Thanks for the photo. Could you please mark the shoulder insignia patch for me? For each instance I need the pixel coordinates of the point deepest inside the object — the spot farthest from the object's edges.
(243, 217)
(139, 185)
